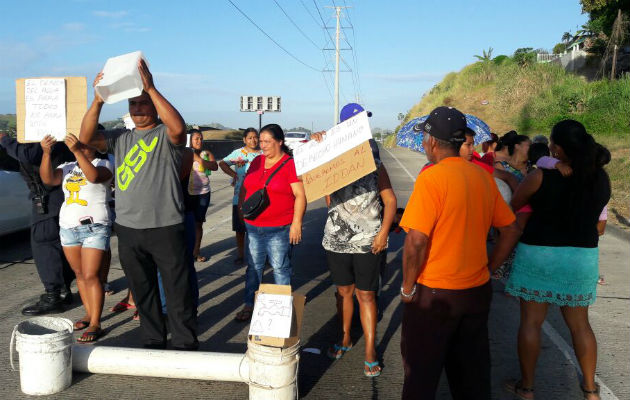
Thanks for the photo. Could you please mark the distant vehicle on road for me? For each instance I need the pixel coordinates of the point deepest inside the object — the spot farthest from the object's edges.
(15, 206)
(295, 139)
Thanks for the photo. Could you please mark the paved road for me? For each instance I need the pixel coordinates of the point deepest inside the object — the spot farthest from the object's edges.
(221, 290)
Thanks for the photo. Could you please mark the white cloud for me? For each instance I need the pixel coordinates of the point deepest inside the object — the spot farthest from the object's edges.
(18, 57)
(110, 14)
(129, 27)
(74, 26)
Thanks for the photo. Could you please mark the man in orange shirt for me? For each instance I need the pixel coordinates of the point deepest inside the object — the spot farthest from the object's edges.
(446, 284)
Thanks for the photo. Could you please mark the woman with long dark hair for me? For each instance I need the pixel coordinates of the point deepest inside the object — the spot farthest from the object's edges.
(272, 234)
(517, 147)
(199, 186)
(241, 159)
(557, 258)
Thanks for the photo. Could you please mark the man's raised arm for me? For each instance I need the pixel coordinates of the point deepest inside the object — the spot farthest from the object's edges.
(175, 125)
(89, 125)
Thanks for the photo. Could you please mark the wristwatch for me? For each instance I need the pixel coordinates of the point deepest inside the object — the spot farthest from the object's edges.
(408, 295)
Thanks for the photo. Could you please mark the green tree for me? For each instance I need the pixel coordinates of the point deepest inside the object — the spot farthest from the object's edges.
(524, 56)
(401, 117)
(566, 37)
(486, 55)
(559, 48)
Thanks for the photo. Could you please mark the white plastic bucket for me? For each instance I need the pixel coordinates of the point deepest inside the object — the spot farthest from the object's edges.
(44, 345)
(121, 78)
(273, 371)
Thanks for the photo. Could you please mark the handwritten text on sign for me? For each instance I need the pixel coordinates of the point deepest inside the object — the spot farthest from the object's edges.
(272, 315)
(337, 140)
(45, 104)
(341, 171)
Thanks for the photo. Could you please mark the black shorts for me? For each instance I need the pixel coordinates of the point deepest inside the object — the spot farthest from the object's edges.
(238, 225)
(360, 269)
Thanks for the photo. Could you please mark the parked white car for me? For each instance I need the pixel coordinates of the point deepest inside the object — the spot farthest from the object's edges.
(295, 139)
(15, 206)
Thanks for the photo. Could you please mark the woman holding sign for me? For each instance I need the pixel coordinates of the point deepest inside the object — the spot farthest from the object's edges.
(85, 223)
(355, 239)
(275, 224)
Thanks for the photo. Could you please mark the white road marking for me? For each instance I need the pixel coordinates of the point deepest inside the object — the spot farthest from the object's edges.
(604, 391)
(550, 331)
(413, 179)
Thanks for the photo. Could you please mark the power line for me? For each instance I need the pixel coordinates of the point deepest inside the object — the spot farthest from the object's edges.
(270, 38)
(309, 12)
(296, 25)
(323, 23)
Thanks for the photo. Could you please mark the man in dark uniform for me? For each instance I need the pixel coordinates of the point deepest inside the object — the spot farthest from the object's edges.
(52, 267)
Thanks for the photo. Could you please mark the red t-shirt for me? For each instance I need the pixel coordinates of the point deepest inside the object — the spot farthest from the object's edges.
(488, 158)
(281, 198)
(478, 160)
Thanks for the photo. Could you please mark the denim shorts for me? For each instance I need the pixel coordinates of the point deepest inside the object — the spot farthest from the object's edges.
(93, 236)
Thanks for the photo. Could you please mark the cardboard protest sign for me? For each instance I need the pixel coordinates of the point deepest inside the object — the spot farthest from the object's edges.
(341, 171)
(272, 315)
(52, 106)
(337, 140)
(296, 302)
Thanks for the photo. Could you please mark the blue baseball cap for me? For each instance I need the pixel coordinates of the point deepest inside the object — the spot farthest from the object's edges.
(350, 110)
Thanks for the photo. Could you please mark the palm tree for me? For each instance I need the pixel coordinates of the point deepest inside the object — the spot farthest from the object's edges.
(566, 37)
(487, 56)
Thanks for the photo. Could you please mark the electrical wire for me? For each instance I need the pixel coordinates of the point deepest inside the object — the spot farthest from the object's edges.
(270, 38)
(296, 25)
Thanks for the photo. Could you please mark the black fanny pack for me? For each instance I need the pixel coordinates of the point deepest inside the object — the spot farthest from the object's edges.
(258, 202)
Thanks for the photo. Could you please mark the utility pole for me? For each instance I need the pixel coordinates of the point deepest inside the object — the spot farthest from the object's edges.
(338, 9)
(337, 57)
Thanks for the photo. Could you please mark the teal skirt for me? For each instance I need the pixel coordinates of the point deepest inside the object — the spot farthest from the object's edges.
(565, 276)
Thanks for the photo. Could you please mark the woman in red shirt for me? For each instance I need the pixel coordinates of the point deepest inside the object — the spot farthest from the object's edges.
(271, 234)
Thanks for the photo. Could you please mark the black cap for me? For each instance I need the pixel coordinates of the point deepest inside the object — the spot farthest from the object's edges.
(446, 123)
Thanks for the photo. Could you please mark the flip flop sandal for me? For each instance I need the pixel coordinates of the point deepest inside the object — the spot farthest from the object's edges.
(517, 389)
(244, 315)
(80, 325)
(136, 316)
(336, 352)
(122, 306)
(587, 393)
(90, 336)
(370, 373)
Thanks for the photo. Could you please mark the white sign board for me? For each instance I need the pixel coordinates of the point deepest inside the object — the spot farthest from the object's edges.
(272, 315)
(337, 140)
(45, 108)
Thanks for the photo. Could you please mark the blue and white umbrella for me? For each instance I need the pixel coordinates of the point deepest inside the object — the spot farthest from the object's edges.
(410, 135)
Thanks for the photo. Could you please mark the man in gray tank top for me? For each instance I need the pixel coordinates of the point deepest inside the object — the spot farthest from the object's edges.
(150, 210)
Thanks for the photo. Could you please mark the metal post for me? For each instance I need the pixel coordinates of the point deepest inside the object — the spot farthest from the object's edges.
(614, 64)
(337, 69)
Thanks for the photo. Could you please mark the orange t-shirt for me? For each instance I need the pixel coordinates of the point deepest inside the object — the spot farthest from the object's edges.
(454, 203)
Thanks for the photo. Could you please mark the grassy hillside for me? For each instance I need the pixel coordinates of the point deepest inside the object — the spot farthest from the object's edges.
(532, 98)
(7, 123)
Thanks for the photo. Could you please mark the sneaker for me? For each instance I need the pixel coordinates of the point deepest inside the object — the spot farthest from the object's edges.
(48, 303)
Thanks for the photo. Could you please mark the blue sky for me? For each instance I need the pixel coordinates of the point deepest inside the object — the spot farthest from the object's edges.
(204, 54)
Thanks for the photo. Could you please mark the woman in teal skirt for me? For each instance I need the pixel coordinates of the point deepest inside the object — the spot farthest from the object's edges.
(557, 257)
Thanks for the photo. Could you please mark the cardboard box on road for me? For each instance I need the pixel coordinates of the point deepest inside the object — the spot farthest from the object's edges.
(296, 317)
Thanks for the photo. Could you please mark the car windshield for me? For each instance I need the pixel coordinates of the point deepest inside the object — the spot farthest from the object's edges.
(298, 135)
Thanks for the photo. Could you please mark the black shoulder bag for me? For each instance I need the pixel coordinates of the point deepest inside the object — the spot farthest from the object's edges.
(255, 204)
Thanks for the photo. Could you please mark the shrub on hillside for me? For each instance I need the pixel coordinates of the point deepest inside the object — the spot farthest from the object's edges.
(524, 56)
(501, 59)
